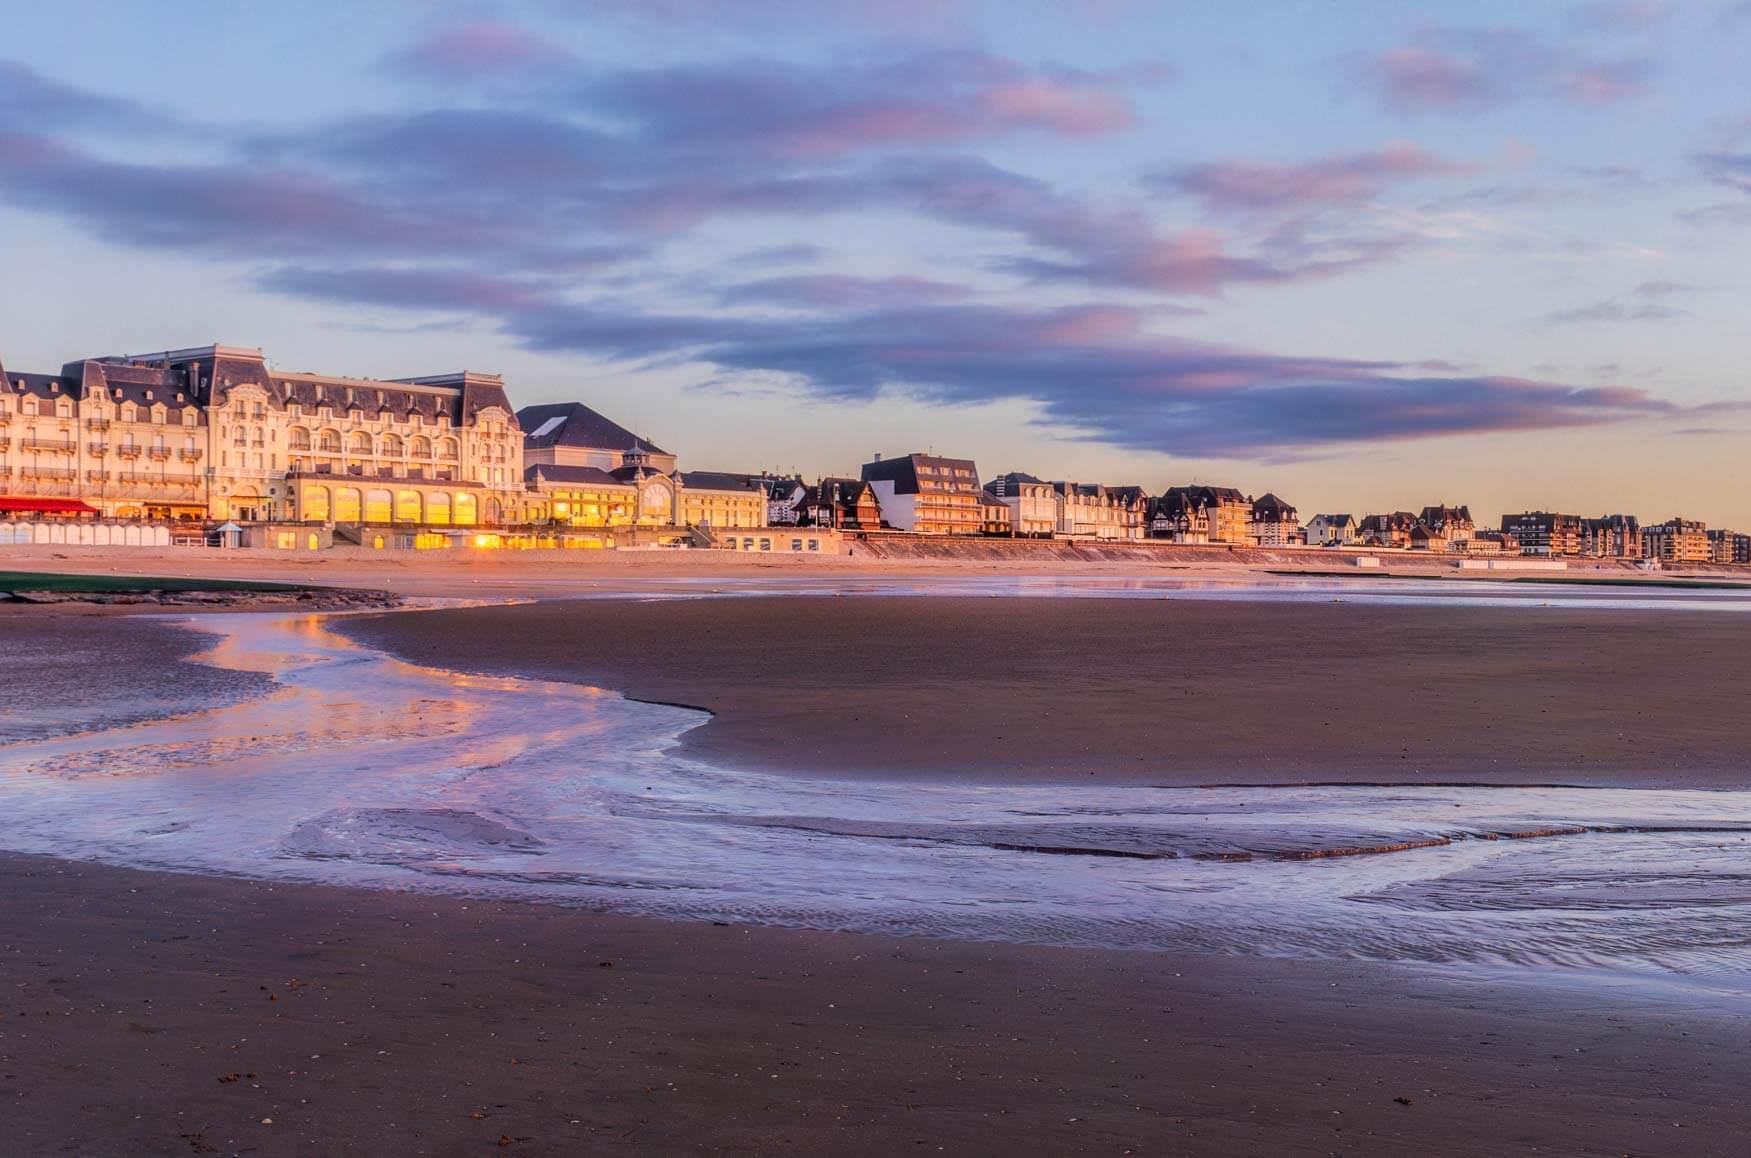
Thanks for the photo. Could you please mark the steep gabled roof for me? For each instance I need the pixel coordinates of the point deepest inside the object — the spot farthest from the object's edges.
(576, 425)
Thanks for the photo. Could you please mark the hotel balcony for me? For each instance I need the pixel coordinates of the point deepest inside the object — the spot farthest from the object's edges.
(128, 450)
(297, 447)
(97, 448)
(159, 454)
(47, 472)
(188, 455)
(97, 423)
(56, 445)
(97, 476)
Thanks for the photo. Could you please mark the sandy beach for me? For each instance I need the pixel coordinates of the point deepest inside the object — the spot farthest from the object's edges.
(150, 1014)
(168, 1014)
(1175, 691)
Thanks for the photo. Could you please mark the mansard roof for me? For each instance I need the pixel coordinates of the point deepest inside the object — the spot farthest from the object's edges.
(711, 480)
(570, 475)
(1270, 505)
(904, 472)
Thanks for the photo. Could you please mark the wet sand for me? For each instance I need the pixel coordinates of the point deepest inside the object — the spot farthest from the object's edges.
(152, 1014)
(64, 665)
(1147, 691)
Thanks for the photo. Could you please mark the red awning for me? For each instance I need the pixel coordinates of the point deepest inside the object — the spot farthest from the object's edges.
(46, 506)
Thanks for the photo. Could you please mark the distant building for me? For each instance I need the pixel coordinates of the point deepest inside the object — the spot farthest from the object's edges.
(1093, 511)
(1423, 537)
(1452, 524)
(1274, 522)
(1612, 537)
(1494, 543)
(1201, 514)
(1545, 533)
(845, 504)
(1034, 504)
(997, 518)
(784, 497)
(1729, 547)
(1388, 530)
(1330, 531)
(927, 494)
(1677, 541)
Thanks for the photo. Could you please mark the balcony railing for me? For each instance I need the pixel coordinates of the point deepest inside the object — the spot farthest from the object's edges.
(97, 423)
(190, 454)
(98, 448)
(300, 446)
(55, 472)
(58, 445)
(159, 453)
(128, 450)
(97, 476)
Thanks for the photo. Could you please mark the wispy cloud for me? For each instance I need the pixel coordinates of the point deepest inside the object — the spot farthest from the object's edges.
(1343, 180)
(1651, 301)
(1469, 69)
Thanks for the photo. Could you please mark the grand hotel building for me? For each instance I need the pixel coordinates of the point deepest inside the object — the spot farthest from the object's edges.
(213, 433)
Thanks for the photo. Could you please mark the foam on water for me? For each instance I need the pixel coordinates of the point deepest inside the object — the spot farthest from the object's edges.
(363, 770)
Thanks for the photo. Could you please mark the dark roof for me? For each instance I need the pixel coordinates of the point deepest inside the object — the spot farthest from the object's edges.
(1014, 480)
(1202, 496)
(1396, 521)
(1335, 518)
(711, 480)
(574, 475)
(903, 472)
(578, 426)
(1270, 505)
(1446, 514)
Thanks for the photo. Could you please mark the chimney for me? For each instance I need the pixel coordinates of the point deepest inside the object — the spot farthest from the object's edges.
(878, 456)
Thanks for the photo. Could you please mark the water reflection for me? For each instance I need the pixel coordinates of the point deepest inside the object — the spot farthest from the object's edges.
(364, 770)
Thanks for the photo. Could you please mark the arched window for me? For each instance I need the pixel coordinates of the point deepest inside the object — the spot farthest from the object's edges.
(407, 506)
(359, 443)
(466, 510)
(317, 506)
(389, 446)
(438, 509)
(379, 506)
(328, 442)
(420, 447)
(347, 505)
(298, 438)
(447, 449)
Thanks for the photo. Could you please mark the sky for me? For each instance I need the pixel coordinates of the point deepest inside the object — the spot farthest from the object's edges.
(1366, 255)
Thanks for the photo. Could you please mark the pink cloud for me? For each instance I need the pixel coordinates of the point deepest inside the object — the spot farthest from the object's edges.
(481, 48)
(1073, 110)
(1346, 179)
